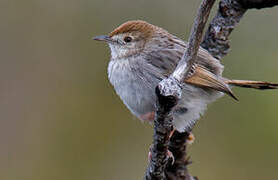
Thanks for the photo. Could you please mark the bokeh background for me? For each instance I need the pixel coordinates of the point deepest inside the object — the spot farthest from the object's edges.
(61, 120)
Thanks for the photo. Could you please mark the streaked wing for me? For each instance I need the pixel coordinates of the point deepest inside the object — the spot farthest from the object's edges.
(164, 59)
(167, 58)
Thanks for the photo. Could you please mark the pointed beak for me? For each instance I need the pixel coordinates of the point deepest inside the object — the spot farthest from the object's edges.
(102, 38)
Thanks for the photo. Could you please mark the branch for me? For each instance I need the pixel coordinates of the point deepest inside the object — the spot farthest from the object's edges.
(178, 170)
(216, 42)
(162, 129)
(188, 59)
(216, 38)
(168, 92)
(229, 14)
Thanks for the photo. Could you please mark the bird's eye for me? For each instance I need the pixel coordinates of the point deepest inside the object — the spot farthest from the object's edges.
(127, 39)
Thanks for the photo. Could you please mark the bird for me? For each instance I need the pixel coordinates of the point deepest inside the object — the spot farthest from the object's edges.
(143, 54)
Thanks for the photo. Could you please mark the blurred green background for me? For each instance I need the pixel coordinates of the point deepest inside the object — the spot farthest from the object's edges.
(60, 119)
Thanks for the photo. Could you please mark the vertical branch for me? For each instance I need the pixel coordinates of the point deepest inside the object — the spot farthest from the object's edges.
(216, 38)
(168, 92)
(178, 146)
(162, 129)
(188, 59)
(228, 16)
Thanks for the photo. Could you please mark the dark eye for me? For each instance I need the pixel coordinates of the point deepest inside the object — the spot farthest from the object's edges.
(127, 39)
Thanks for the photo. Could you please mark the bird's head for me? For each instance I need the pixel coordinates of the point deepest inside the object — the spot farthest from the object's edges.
(131, 38)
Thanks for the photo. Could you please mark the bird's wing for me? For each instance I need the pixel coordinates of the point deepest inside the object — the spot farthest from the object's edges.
(208, 72)
(166, 59)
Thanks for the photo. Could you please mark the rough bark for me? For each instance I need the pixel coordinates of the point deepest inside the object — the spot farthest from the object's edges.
(188, 59)
(169, 90)
(216, 38)
(178, 146)
(228, 15)
(163, 127)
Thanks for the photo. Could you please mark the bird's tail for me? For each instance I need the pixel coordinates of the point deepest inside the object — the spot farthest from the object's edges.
(203, 78)
(261, 85)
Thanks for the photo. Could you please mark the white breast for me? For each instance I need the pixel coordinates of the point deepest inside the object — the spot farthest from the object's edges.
(134, 90)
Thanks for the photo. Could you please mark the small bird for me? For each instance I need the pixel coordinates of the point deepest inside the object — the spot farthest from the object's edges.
(143, 54)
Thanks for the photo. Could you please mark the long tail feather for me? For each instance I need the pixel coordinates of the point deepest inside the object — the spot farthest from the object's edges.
(261, 85)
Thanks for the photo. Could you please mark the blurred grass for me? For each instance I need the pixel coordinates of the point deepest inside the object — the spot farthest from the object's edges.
(60, 118)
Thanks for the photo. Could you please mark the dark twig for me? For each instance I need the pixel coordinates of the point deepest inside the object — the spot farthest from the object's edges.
(216, 38)
(168, 92)
(229, 14)
(177, 146)
(188, 59)
(163, 127)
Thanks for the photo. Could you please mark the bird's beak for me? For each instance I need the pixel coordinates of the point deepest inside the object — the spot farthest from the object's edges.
(103, 38)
